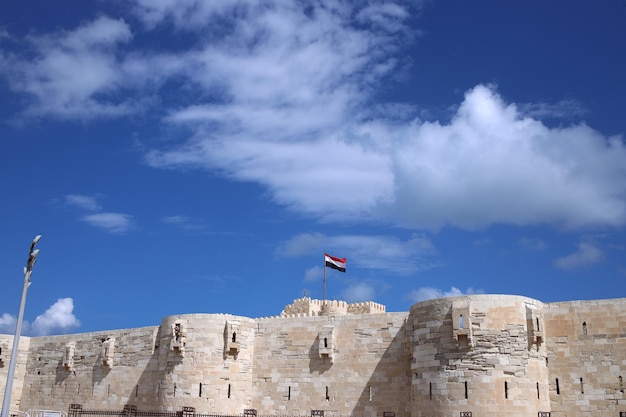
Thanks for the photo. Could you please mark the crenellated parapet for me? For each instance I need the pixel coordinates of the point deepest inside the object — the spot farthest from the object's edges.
(334, 308)
(307, 307)
(367, 307)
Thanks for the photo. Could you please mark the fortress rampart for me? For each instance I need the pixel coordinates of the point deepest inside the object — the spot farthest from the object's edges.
(484, 354)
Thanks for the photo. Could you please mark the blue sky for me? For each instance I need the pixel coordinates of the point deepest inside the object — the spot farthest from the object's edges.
(200, 157)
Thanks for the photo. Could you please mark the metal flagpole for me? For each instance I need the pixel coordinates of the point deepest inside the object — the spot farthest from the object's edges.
(324, 279)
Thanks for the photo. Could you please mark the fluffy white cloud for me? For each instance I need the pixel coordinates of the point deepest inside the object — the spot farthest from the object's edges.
(7, 323)
(72, 74)
(491, 165)
(57, 319)
(286, 96)
(588, 253)
(428, 293)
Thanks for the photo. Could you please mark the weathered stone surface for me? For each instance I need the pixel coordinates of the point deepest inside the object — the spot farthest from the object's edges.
(486, 354)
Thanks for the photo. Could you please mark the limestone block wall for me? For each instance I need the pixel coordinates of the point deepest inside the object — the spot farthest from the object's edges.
(364, 368)
(478, 354)
(587, 357)
(484, 354)
(103, 371)
(6, 348)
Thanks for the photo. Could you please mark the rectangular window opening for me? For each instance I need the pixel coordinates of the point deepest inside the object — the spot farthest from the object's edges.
(327, 394)
(538, 395)
(228, 390)
(506, 390)
(466, 393)
(430, 390)
(558, 389)
(200, 390)
(289, 394)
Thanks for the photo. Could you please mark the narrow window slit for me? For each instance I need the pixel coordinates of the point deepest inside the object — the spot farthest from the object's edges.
(558, 390)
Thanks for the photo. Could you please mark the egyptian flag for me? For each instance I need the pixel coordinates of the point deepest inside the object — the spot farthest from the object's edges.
(335, 263)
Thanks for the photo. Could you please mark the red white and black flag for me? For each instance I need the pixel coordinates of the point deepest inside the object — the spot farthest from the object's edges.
(335, 263)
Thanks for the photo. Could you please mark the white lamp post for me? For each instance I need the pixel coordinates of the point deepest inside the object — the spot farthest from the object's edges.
(28, 270)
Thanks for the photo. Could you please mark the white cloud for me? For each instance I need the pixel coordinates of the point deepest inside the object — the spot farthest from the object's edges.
(588, 253)
(57, 319)
(186, 223)
(532, 244)
(286, 96)
(111, 222)
(7, 324)
(371, 252)
(313, 274)
(490, 165)
(428, 293)
(82, 201)
(302, 245)
(359, 291)
(72, 74)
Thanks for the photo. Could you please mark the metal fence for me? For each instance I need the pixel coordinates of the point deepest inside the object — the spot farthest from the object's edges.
(76, 410)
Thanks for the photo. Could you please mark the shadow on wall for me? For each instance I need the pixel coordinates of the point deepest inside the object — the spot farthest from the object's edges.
(387, 393)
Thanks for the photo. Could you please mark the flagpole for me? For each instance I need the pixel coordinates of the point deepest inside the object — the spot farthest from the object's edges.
(324, 279)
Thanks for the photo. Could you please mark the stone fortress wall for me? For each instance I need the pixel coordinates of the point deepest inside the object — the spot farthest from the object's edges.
(484, 354)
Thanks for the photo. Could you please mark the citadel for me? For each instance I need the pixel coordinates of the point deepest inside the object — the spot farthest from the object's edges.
(468, 356)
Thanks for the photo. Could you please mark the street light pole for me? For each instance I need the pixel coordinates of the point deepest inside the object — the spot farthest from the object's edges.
(28, 270)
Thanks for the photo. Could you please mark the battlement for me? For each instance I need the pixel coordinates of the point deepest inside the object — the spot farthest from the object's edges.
(367, 307)
(304, 307)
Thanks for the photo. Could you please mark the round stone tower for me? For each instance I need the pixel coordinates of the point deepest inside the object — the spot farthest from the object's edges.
(197, 369)
(480, 354)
